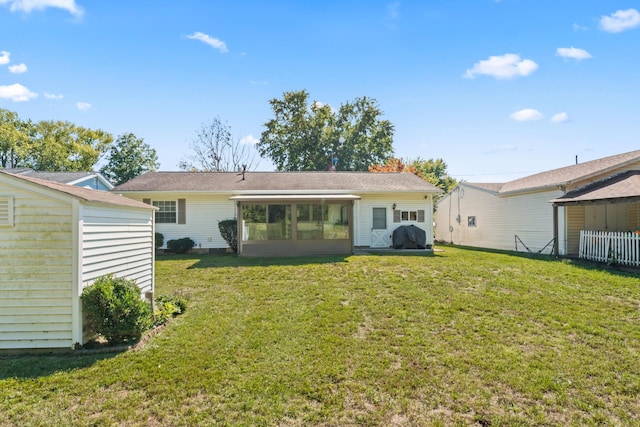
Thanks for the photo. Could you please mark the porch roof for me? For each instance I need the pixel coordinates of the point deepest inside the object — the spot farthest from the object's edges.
(624, 187)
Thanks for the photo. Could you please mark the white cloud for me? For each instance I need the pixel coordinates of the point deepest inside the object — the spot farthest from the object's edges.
(573, 52)
(578, 27)
(52, 96)
(506, 66)
(526, 115)
(83, 106)
(4, 56)
(619, 21)
(249, 139)
(28, 6)
(259, 82)
(560, 118)
(18, 69)
(16, 92)
(211, 41)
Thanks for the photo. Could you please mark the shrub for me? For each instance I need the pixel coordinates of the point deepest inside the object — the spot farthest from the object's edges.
(159, 239)
(229, 231)
(168, 306)
(180, 246)
(115, 310)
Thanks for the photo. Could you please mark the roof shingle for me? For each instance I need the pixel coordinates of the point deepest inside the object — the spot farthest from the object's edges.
(277, 182)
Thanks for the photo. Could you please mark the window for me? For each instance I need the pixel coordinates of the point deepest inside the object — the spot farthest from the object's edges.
(314, 221)
(167, 212)
(471, 221)
(266, 222)
(336, 221)
(6, 211)
(410, 216)
(379, 219)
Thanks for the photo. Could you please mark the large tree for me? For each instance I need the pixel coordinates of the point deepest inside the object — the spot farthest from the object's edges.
(307, 135)
(213, 149)
(63, 146)
(129, 157)
(14, 139)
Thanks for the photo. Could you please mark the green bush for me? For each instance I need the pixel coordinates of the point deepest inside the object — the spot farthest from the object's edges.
(229, 231)
(159, 239)
(180, 246)
(168, 306)
(115, 310)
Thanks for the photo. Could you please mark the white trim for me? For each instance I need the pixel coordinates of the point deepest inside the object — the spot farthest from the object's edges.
(76, 267)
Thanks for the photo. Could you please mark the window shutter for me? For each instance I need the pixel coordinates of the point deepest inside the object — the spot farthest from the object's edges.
(147, 201)
(182, 211)
(421, 215)
(396, 215)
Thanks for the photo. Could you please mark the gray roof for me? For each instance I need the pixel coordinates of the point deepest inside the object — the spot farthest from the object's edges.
(622, 186)
(62, 177)
(571, 174)
(85, 194)
(277, 182)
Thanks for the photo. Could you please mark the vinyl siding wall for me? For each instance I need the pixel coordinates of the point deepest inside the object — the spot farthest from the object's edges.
(36, 272)
(363, 214)
(497, 219)
(117, 241)
(202, 213)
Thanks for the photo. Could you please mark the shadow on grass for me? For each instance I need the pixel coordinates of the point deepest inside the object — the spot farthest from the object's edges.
(576, 262)
(233, 260)
(43, 365)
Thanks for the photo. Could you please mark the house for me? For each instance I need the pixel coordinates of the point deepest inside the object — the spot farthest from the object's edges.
(56, 239)
(545, 211)
(93, 180)
(286, 213)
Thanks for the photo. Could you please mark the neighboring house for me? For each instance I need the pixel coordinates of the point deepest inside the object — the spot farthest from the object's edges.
(94, 180)
(546, 210)
(286, 213)
(56, 239)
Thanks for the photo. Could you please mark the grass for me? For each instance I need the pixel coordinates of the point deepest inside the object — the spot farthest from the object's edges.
(460, 337)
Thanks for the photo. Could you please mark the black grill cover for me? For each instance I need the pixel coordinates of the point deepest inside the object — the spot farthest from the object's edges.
(409, 237)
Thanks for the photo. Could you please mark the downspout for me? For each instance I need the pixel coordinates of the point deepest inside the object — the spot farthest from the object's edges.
(556, 243)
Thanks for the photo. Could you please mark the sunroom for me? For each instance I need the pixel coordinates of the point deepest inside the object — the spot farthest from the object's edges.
(295, 225)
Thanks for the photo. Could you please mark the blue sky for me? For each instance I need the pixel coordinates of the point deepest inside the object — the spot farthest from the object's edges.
(498, 89)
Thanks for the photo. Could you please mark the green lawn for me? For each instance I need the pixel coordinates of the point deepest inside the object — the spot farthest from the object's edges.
(459, 337)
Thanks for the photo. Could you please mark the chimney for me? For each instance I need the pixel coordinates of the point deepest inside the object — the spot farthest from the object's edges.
(244, 171)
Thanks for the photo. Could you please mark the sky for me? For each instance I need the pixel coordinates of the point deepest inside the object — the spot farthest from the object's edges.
(498, 89)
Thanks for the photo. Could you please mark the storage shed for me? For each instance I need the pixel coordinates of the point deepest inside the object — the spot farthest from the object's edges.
(56, 239)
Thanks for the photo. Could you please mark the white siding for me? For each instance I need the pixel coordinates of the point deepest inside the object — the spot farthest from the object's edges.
(203, 212)
(36, 272)
(117, 241)
(363, 214)
(498, 219)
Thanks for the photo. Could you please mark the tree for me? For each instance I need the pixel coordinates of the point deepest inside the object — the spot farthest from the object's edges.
(433, 171)
(63, 146)
(312, 136)
(129, 157)
(14, 139)
(214, 150)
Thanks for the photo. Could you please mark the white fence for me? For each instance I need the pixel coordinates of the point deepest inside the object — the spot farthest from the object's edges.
(611, 247)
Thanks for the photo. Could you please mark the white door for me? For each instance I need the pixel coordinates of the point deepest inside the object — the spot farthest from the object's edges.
(379, 234)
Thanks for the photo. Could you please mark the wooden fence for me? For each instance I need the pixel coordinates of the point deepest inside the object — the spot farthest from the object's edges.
(610, 247)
